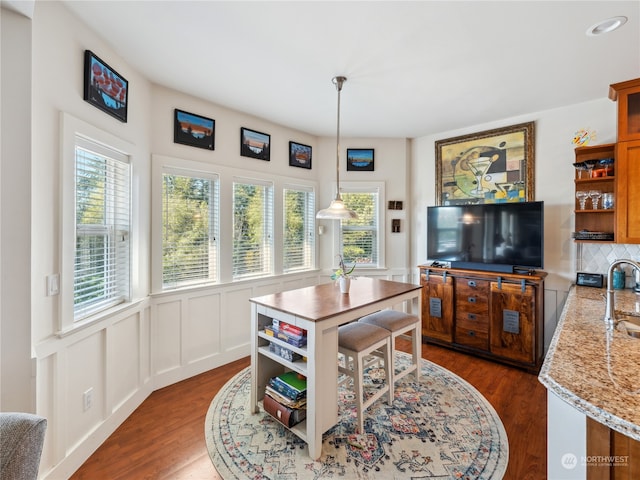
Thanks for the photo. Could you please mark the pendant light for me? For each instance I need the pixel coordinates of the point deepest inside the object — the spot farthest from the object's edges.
(337, 210)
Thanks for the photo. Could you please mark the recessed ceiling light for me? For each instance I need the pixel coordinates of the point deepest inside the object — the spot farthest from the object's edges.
(606, 26)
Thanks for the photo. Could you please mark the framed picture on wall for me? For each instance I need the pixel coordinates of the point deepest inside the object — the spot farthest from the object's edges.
(299, 155)
(255, 144)
(194, 130)
(491, 166)
(360, 159)
(104, 88)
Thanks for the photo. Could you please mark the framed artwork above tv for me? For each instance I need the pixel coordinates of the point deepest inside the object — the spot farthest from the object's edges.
(485, 167)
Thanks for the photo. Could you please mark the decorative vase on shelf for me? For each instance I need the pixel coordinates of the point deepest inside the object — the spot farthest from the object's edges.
(345, 284)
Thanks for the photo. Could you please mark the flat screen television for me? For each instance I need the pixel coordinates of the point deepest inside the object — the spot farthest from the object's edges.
(501, 237)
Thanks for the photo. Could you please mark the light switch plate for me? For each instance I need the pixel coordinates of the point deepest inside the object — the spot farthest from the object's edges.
(53, 284)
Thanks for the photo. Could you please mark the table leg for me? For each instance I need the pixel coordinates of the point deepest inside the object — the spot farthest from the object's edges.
(322, 386)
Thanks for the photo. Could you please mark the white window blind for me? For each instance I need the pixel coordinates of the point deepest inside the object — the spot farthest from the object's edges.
(190, 226)
(252, 228)
(360, 236)
(299, 229)
(102, 223)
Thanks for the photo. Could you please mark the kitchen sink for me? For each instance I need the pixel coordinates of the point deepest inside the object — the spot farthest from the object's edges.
(629, 324)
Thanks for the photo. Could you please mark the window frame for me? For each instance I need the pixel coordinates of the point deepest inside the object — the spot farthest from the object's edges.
(367, 187)
(268, 229)
(309, 225)
(226, 175)
(71, 129)
(214, 226)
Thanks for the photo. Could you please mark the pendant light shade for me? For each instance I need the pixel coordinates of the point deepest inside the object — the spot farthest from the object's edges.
(337, 210)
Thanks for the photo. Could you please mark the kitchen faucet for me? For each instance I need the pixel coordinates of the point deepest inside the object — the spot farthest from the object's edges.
(610, 308)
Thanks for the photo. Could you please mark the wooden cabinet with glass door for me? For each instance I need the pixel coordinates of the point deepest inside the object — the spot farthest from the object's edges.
(595, 193)
(627, 94)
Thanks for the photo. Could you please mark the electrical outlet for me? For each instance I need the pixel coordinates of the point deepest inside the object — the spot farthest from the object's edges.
(87, 399)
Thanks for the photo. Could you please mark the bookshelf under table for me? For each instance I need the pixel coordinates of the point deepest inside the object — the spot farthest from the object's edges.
(319, 310)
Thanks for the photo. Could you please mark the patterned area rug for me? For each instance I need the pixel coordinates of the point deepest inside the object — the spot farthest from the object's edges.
(438, 428)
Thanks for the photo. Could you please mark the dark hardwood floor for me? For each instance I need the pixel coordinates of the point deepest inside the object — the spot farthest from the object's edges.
(164, 437)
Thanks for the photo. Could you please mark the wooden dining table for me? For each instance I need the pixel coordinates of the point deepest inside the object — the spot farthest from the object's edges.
(319, 310)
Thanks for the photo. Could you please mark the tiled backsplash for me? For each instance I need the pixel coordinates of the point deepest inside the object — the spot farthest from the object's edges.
(596, 258)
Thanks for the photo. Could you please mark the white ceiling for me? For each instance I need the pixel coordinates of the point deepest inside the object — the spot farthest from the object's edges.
(413, 68)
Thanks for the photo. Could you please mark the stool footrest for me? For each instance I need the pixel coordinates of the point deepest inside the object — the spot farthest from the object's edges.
(399, 323)
(358, 342)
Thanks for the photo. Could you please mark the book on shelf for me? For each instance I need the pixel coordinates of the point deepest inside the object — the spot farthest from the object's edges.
(284, 352)
(291, 340)
(294, 340)
(290, 384)
(285, 415)
(293, 330)
(284, 389)
(286, 401)
(285, 327)
(294, 380)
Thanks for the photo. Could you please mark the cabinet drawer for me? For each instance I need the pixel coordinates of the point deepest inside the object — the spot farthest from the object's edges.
(478, 305)
(473, 321)
(472, 338)
(469, 287)
(472, 300)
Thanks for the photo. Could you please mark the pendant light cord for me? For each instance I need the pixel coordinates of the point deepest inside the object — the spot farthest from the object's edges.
(337, 209)
(338, 81)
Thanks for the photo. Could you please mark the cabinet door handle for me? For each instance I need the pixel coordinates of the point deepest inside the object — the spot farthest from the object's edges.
(471, 316)
(472, 283)
(472, 333)
(472, 299)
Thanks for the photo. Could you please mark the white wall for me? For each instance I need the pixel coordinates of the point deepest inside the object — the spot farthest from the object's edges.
(164, 337)
(554, 174)
(391, 160)
(112, 356)
(16, 392)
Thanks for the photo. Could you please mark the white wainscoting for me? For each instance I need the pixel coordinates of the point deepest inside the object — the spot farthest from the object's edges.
(156, 342)
(123, 358)
(110, 359)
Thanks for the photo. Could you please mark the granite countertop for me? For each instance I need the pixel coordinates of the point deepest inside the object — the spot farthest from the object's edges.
(594, 371)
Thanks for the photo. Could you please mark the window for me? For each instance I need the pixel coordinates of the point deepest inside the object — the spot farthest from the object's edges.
(299, 229)
(189, 229)
(360, 238)
(252, 228)
(101, 275)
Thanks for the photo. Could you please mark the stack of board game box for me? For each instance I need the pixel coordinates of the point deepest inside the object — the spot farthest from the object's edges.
(285, 398)
(288, 333)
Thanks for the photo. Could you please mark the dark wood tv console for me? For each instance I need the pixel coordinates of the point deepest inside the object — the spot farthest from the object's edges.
(499, 316)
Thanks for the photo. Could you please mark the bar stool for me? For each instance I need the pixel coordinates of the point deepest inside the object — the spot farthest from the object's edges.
(357, 341)
(399, 323)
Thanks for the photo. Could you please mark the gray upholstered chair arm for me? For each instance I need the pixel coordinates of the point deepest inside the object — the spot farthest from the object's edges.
(21, 442)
